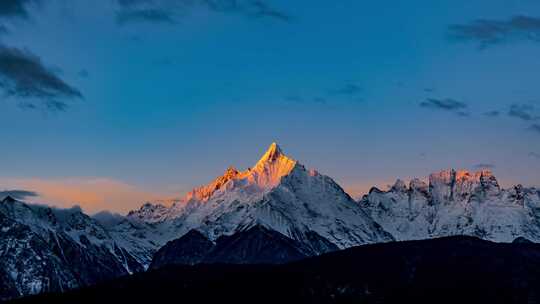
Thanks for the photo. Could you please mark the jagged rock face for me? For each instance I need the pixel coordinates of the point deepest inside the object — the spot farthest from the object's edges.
(149, 213)
(45, 250)
(277, 193)
(190, 249)
(457, 203)
(141, 240)
(256, 245)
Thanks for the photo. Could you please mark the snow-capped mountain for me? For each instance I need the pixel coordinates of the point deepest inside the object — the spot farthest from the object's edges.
(278, 193)
(456, 203)
(44, 249)
(274, 212)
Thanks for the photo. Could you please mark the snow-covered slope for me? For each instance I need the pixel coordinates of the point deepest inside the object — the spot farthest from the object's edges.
(456, 203)
(277, 193)
(44, 249)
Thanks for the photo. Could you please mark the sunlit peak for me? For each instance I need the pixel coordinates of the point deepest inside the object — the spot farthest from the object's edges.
(273, 153)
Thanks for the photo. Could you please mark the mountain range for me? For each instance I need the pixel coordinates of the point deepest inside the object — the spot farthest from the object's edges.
(274, 212)
(458, 269)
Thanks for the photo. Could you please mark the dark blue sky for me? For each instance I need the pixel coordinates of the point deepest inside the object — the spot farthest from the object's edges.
(155, 97)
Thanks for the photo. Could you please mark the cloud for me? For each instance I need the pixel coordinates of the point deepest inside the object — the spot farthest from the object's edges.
(485, 166)
(534, 155)
(294, 99)
(15, 8)
(167, 11)
(443, 104)
(107, 218)
(17, 194)
(447, 104)
(535, 128)
(523, 112)
(92, 194)
(263, 10)
(24, 77)
(144, 15)
(488, 32)
(492, 113)
(348, 89)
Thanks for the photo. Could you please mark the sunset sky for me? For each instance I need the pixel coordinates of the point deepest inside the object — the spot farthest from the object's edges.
(109, 103)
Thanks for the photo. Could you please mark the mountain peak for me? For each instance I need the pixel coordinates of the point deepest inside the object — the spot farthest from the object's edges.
(206, 191)
(266, 174)
(272, 166)
(273, 153)
(452, 175)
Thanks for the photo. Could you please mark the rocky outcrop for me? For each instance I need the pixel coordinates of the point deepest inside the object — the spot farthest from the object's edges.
(49, 250)
(256, 245)
(457, 203)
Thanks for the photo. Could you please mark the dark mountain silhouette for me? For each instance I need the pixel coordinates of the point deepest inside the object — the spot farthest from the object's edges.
(446, 270)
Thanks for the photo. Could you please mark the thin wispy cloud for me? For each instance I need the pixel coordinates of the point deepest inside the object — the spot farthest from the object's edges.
(488, 32)
(348, 89)
(25, 78)
(443, 104)
(169, 11)
(447, 104)
(18, 194)
(534, 155)
(492, 113)
(15, 8)
(144, 15)
(523, 111)
(262, 9)
(535, 128)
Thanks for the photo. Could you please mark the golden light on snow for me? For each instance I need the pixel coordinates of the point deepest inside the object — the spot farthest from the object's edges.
(266, 174)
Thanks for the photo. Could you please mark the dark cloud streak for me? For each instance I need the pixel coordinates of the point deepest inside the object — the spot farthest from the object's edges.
(263, 10)
(535, 128)
(18, 194)
(490, 32)
(144, 15)
(24, 77)
(15, 8)
(447, 104)
(492, 114)
(534, 155)
(522, 111)
(443, 104)
(167, 12)
(348, 89)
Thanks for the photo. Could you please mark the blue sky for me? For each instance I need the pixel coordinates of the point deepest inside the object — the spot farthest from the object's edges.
(160, 96)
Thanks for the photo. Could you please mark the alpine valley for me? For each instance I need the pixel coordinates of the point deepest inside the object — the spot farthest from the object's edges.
(273, 213)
